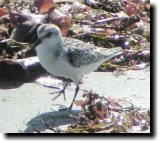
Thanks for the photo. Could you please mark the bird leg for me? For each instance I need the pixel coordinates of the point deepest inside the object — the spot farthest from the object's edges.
(76, 91)
(62, 91)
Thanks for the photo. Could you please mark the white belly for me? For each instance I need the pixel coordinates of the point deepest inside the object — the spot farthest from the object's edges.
(61, 66)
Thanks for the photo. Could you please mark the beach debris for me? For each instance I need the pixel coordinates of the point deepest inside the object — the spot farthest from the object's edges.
(108, 115)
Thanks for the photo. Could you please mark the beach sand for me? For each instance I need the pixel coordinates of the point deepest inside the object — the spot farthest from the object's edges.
(29, 105)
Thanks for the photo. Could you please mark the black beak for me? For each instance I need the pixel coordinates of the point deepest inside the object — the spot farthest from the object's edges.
(32, 51)
(35, 44)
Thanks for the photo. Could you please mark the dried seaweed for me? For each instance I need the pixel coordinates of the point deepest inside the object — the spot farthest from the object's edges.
(107, 115)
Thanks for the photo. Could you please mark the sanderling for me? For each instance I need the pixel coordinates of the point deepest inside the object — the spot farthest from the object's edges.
(67, 57)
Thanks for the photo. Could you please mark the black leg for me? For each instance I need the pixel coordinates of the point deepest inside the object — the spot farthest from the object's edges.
(62, 91)
(76, 91)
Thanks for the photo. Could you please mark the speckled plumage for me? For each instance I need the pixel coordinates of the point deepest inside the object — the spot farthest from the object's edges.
(81, 53)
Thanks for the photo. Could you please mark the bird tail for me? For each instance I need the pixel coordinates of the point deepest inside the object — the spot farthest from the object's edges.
(110, 53)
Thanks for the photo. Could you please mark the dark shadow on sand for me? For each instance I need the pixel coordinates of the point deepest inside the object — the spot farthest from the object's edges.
(4, 84)
(52, 119)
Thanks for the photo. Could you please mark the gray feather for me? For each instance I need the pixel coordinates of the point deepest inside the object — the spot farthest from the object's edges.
(82, 53)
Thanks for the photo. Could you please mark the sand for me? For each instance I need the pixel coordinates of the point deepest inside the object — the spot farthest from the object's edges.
(29, 105)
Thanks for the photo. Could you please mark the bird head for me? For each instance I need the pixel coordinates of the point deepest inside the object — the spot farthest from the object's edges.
(47, 31)
(48, 34)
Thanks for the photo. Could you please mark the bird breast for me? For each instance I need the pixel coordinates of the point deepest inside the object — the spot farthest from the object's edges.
(56, 63)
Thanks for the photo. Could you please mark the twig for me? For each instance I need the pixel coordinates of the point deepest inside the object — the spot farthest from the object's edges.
(104, 21)
(20, 43)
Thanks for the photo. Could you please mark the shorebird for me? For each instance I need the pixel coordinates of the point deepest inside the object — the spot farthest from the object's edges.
(67, 57)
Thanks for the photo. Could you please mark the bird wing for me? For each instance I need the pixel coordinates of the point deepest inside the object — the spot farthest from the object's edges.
(81, 53)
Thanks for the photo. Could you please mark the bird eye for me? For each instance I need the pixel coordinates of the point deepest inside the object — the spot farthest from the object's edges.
(48, 34)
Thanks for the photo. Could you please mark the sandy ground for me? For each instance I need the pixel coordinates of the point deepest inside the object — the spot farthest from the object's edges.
(30, 105)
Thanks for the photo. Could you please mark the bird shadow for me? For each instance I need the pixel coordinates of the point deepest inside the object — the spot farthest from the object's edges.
(50, 120)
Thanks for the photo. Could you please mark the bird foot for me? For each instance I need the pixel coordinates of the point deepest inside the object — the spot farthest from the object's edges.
(62, 91)
(65, 109)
